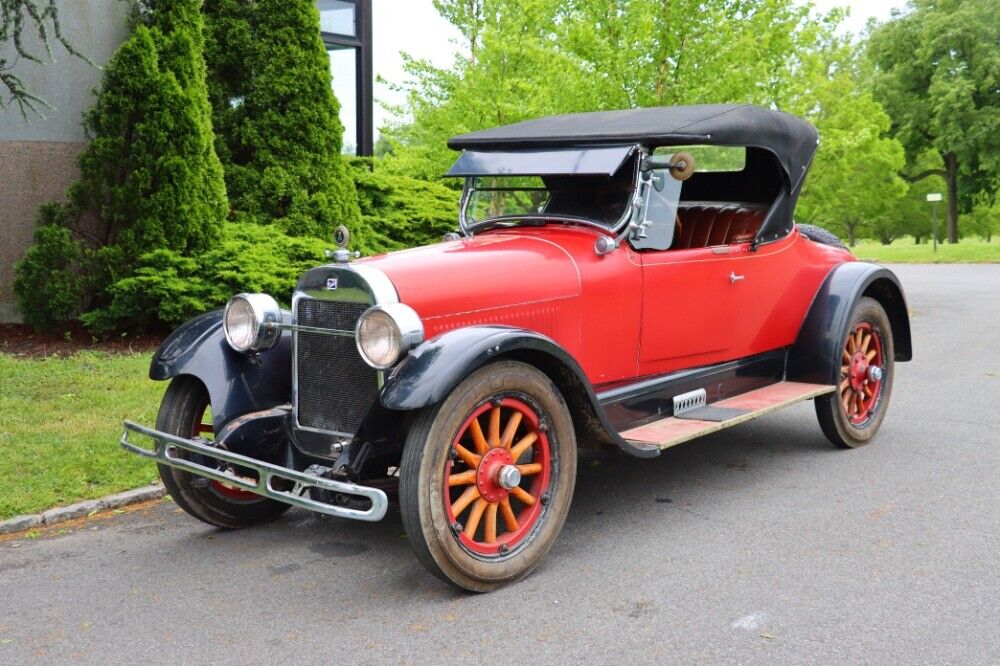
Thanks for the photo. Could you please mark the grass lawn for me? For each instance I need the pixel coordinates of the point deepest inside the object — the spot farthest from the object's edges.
(904, 251)
(60, 419)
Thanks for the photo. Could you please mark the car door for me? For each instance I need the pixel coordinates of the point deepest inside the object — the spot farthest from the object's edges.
(689, 308)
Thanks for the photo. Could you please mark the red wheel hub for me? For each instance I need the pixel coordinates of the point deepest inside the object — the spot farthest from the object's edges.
(488, 474)
(861, 369)
(496, 484)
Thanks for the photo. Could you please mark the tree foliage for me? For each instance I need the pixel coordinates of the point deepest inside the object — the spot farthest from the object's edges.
(276, 118)
(527, 58)
(938, 76)
(854, 183)
(150, 177)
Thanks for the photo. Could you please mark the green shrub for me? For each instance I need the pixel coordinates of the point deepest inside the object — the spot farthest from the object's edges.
(48, 283)
(149, 176)
(276, 118)
(400, 212)
(169, 288)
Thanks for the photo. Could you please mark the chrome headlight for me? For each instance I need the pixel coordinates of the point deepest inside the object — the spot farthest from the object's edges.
(385, 333)
(250, 322)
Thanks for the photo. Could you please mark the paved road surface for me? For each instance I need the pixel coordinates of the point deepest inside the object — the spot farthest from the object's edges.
(762, 544)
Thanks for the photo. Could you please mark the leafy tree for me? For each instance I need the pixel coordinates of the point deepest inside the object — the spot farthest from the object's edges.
(42, 18)
(150, 177)
(937, 65)
(984, 217)
(854, 184)
(279, 134)
(527, 58)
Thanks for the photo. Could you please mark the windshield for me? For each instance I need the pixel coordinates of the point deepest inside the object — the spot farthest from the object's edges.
(595, 198)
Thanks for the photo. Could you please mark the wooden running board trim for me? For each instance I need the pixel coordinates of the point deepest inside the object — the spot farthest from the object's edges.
(672, 431)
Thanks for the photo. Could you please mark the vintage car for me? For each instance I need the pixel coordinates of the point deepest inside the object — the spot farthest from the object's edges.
(602, 291)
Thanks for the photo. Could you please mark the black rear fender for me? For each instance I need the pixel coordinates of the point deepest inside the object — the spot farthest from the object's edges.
(815, 356)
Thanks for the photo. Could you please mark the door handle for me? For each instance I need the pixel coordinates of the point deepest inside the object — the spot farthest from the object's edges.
(734, 278)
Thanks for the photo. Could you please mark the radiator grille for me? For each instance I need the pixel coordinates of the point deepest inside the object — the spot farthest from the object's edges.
(336, 388)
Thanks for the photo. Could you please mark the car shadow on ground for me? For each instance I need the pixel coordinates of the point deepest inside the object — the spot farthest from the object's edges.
(613, 491)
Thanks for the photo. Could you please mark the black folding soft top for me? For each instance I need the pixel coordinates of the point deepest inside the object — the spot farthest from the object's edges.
(791, 139)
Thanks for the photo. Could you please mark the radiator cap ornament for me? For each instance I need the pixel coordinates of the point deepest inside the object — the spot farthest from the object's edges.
(341, 236)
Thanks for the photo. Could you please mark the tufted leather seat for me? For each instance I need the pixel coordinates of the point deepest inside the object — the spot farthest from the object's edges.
(707, 224)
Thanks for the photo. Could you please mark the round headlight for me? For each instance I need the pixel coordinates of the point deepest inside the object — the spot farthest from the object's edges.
(249, 322)
(386, 332)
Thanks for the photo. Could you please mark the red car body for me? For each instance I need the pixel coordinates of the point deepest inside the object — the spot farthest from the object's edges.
(610, 312)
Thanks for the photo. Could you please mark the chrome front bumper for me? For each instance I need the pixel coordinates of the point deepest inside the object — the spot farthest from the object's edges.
(167, 452)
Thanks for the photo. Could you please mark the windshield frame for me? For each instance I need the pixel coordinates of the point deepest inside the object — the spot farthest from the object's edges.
(634, 202)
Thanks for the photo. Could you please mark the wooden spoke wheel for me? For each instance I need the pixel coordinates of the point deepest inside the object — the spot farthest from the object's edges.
(497, 482)
(184, 411)
(861, 372)
(852, 415)
(487, 477)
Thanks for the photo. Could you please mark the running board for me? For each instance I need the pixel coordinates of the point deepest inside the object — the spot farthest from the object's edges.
(672, 431)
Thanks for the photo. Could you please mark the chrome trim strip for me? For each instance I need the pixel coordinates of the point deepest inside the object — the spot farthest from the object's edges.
(312, 329)
(165, 453)
(380, 291)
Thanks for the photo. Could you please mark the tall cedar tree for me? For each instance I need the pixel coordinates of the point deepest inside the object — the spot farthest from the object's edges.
(278, 130)
(149, 179)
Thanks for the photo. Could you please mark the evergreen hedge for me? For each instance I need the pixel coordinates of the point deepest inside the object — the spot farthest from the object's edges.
(150, 177)
(277, 121)
(143, 240)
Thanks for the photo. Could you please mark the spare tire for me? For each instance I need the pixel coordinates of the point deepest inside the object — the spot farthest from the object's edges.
(820, 235)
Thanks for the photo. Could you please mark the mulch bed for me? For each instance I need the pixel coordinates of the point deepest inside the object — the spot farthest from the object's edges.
(21, 340)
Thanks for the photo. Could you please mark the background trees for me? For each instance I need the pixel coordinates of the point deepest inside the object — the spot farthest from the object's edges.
(938, 67)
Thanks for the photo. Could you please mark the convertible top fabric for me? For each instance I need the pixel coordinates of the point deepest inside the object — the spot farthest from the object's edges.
(791, 139)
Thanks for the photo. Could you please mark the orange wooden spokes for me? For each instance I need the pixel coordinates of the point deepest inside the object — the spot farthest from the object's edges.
(471, 493)
(474, 517)
(529, 469)
(490, 528)
(865, 341)
(494, 427)
(463, 479)
(467, 456)
(870, 355)
(508, 515)
(478, 440)
(508, 433)
(523, 446)
(523, 495)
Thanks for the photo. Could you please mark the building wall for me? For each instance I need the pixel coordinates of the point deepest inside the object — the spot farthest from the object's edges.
(37, 155)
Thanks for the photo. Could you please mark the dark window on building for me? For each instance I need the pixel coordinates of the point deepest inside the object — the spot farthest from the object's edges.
(346, 26)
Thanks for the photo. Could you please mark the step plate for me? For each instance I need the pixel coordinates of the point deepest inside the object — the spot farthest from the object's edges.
(672, 431)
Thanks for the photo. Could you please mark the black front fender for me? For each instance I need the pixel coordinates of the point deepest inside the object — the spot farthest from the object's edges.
(431, 371)
(815, 356)
(237, 383)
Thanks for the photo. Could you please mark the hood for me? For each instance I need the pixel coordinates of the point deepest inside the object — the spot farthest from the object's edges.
(505, 277)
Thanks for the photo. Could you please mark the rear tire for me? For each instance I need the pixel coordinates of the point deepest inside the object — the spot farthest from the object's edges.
(457, 468)
(181, 413)
(850, 417)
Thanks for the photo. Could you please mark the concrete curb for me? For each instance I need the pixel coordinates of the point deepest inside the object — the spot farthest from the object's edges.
(80, 509)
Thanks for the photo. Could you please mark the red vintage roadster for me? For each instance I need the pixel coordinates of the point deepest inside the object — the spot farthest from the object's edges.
(627, 279)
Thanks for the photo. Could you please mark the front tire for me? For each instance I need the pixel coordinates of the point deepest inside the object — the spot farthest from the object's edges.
(851, 416)
(183, 413)
(487, 477)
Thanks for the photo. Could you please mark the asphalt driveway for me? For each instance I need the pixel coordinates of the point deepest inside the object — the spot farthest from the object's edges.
(761, 544)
